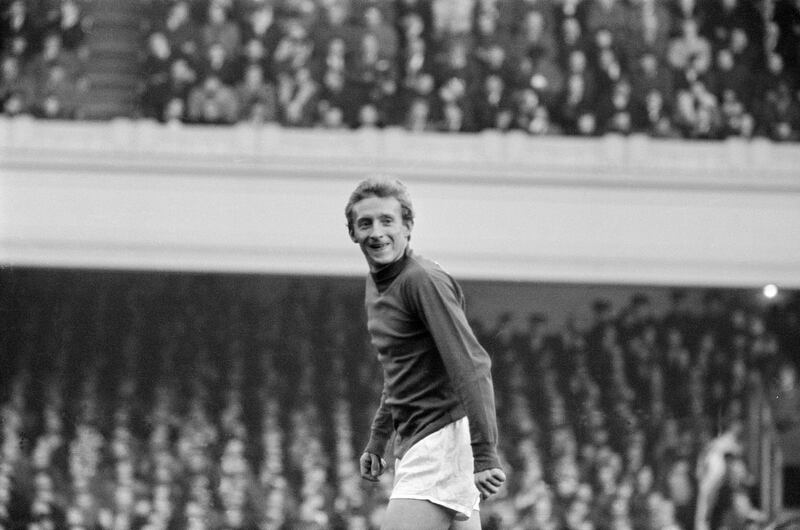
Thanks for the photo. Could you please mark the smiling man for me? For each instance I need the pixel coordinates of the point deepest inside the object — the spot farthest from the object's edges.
(438, 397)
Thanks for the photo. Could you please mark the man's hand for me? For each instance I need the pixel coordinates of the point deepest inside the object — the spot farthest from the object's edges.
(372, 466)
(489, 481)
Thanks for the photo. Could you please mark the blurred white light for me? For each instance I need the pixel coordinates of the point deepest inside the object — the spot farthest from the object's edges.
(771, 290)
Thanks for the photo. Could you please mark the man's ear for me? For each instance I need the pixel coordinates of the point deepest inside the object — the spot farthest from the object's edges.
(352, 235)
(409, 226)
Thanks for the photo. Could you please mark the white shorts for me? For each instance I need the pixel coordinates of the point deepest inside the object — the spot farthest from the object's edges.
(438, 468)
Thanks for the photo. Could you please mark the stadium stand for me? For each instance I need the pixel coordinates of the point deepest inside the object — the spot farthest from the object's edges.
(188, 401)
(676, 69)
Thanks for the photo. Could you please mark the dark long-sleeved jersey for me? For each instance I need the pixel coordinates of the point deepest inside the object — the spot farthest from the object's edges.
(435, 371)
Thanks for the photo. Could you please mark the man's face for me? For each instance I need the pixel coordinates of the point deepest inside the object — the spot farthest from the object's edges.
(379, 230)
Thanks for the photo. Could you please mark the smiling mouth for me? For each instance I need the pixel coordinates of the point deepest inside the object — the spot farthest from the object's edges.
(378, 246)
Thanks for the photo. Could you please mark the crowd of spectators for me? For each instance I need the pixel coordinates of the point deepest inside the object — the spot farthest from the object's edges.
(668, 68)
(195, 401)
(43, 53)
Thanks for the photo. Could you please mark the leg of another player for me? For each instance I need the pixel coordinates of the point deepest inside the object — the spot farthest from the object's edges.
(473, 523)
(414, 514)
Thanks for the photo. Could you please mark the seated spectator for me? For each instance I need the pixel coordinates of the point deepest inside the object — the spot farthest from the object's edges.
(451, 17)
(298, 95)
(650, 75)
(454, 104)
(688, 49)
(181, 30)
(418, 116)
(616, 112)
(613, 17)
(53, 53)
(218, 63)
(492, 104)
(780, 114)
(59, 96)
(723, 17)
(156, 71)
(736, 120)
(257, 98)
(572, 38)
(16, 89)
(787, 399)
(383, 31)
(294, 50)
(651, 28)
(576, 108)
(212, 102)
(20, 33)
(261, 32)
(218, 29)
(69, 22)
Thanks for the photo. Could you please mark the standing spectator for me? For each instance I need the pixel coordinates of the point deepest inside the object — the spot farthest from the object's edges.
(712, 465)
